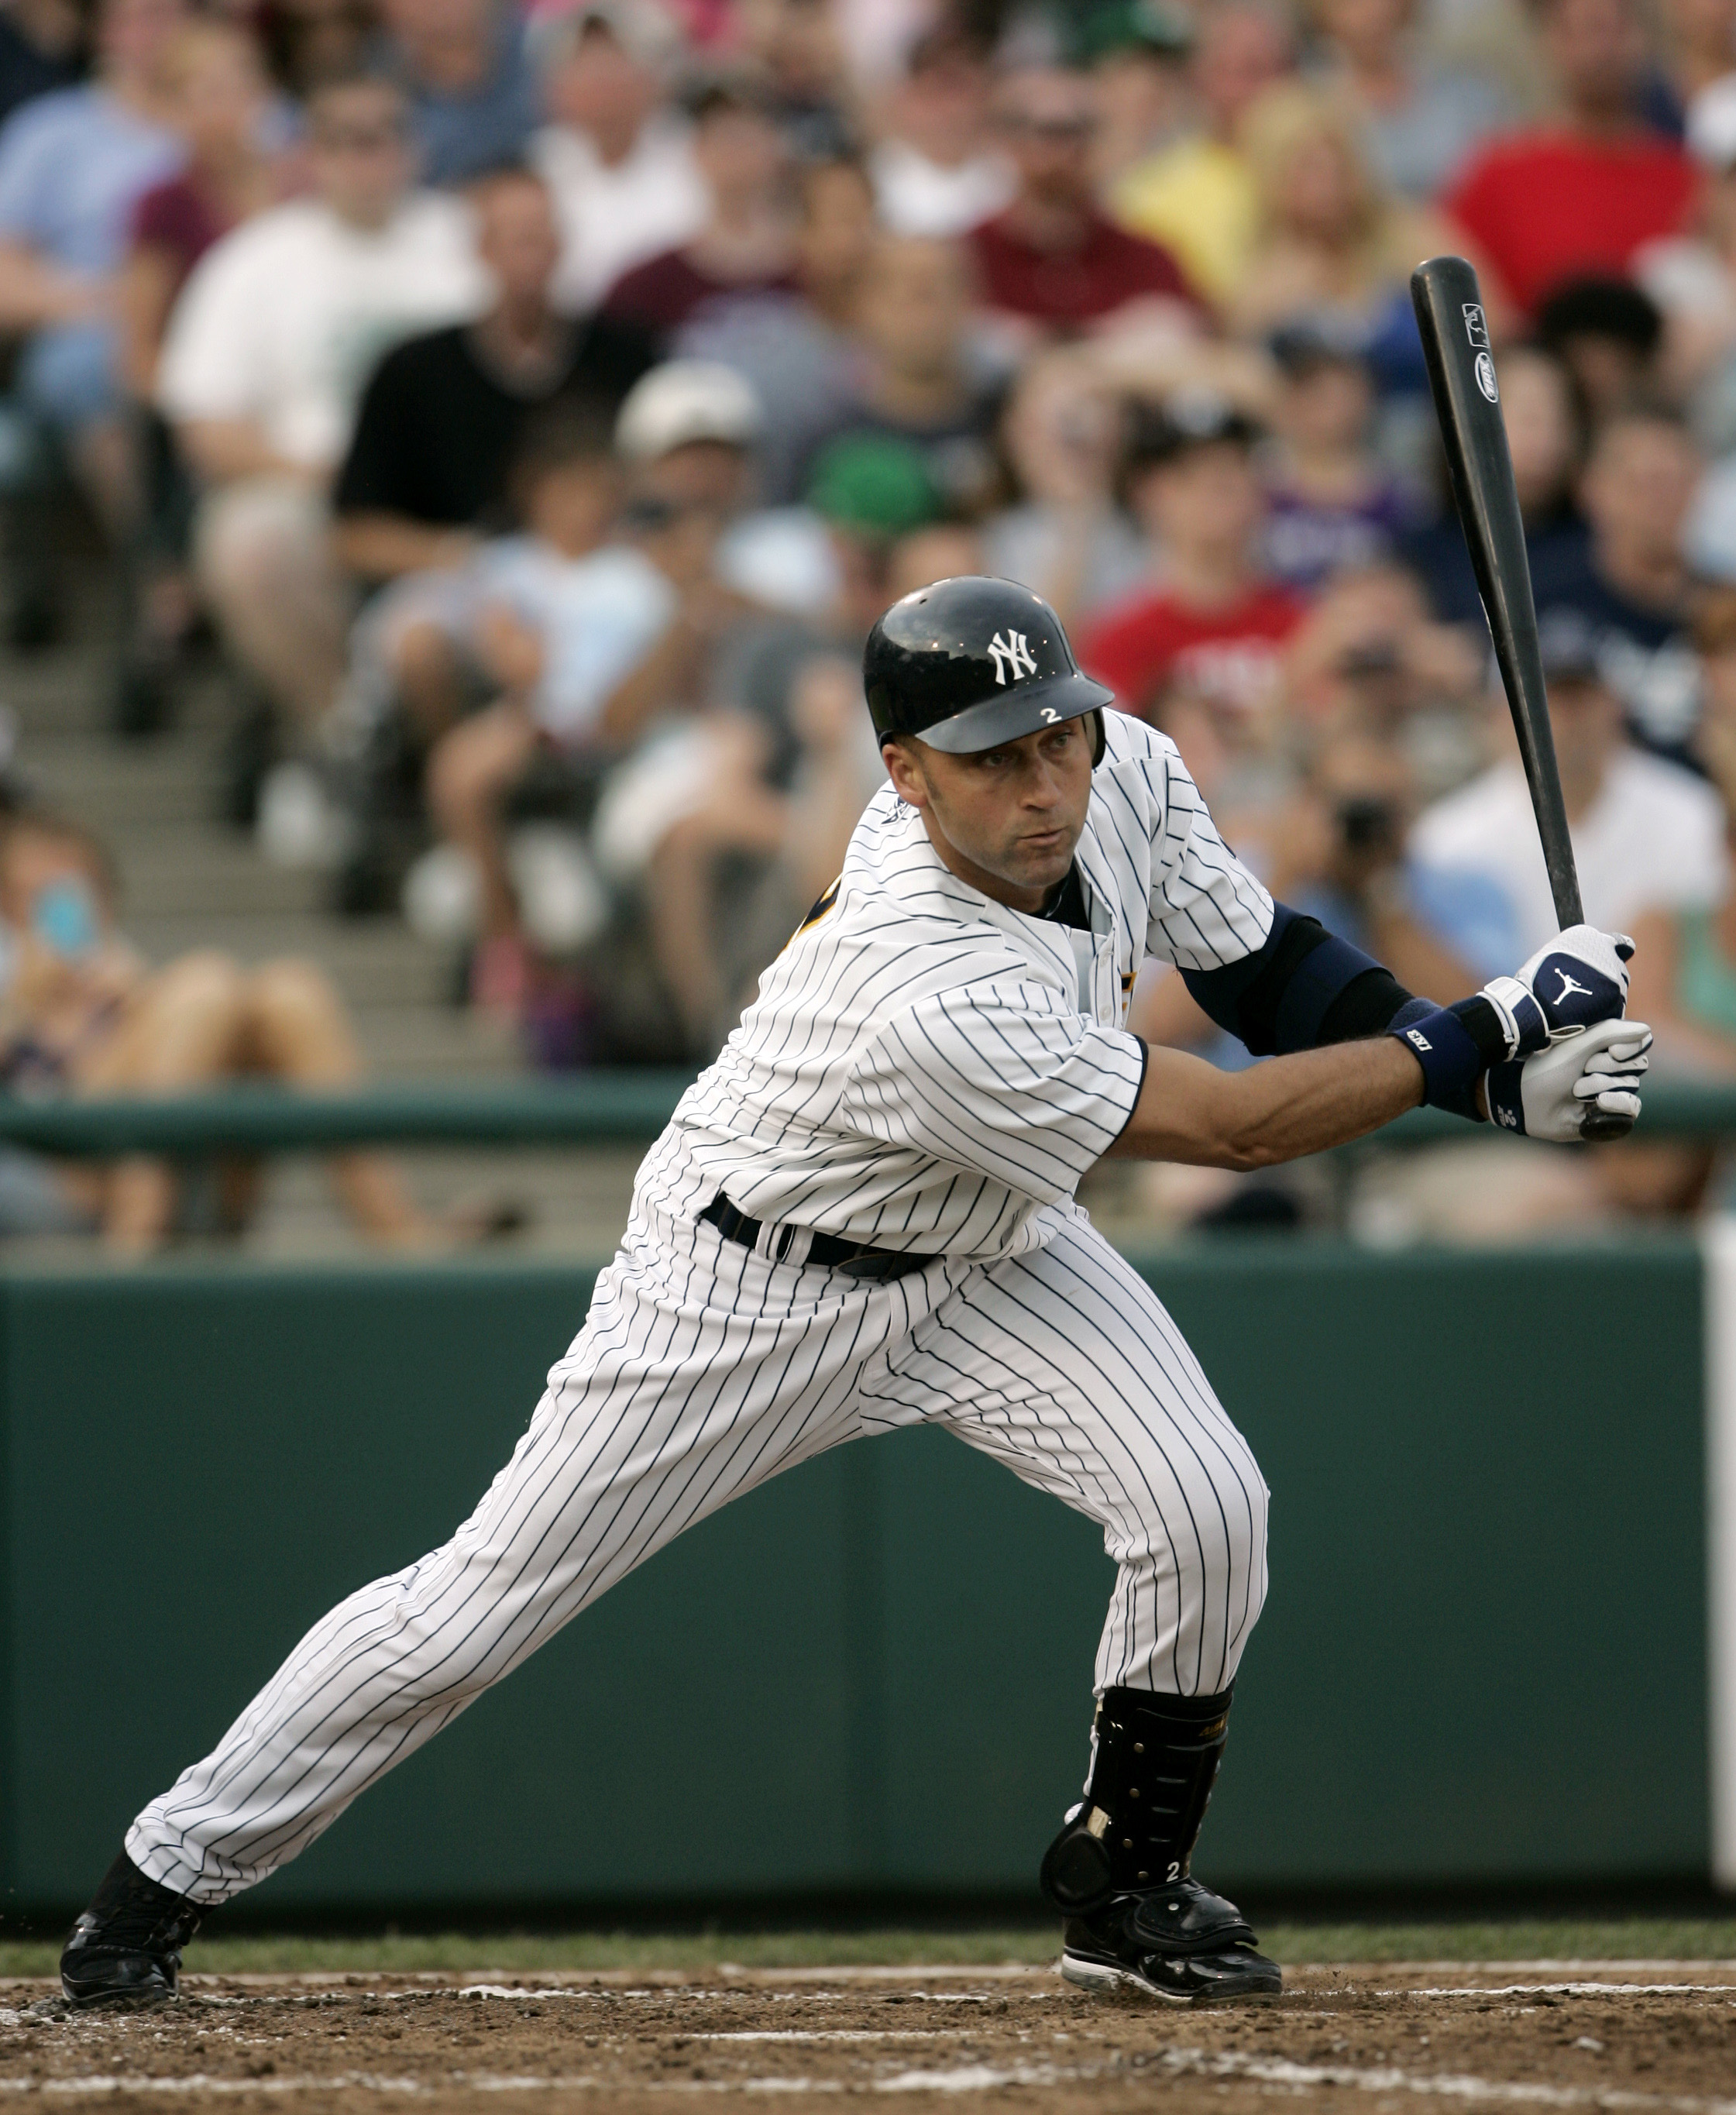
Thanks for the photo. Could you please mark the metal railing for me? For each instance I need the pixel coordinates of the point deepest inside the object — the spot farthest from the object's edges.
(592, 1108)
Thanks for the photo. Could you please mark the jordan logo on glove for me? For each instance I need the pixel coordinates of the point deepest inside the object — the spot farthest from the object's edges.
(1579, 977)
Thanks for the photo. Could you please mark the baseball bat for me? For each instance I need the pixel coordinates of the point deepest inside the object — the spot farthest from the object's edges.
(1461, 373)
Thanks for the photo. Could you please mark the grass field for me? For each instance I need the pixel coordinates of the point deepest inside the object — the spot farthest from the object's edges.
(1633, 1939)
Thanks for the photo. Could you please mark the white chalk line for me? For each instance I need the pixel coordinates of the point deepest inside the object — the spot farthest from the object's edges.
(524, 1993)
(1578, 1967)
(1557, 1990)
(1281, 2070)
(517, 1991)
(967, 2078)
(837, 2035)
(1003, 1971)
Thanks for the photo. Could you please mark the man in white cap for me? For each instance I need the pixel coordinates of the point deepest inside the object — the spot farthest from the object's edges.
(698, 422)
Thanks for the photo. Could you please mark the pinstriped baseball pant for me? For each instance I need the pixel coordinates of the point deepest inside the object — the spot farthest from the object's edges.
(703, 1369)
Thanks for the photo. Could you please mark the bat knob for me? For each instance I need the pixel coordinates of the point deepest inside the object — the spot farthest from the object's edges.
(1598, 1129)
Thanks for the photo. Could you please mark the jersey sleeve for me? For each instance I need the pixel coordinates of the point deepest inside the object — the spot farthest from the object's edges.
(1001, 1079)
(1206, 909)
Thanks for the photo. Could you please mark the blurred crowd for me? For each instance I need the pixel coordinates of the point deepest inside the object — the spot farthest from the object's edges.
(534, 409)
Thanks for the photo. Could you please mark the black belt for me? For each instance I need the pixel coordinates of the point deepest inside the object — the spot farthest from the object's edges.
(877, 1266)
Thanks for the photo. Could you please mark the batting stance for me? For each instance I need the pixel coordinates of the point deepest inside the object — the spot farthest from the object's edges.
(863, 1217)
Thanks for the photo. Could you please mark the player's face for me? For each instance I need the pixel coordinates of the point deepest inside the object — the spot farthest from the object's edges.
(1007, 820)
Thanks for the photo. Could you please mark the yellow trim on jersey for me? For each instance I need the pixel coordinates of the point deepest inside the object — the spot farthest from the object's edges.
(820, 909)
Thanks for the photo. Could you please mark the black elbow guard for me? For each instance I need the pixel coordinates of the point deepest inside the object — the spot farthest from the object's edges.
(1305, 987)
(1367, 1005)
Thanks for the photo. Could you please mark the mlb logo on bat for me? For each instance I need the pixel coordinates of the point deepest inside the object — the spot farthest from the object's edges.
(1011, 653)
(1477, 326)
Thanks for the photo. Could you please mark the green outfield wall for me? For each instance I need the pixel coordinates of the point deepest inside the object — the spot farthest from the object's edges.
(1484, 1657)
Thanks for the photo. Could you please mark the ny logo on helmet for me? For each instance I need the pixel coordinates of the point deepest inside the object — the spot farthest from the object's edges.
(1011, 653)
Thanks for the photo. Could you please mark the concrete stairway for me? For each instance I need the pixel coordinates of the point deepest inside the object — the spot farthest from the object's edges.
(190, 880)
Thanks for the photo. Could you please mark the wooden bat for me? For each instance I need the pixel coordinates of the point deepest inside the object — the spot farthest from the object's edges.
(1461, 373)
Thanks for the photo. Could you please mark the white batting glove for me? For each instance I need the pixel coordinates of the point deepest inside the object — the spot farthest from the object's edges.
(1579, 977)
(1596, 1070)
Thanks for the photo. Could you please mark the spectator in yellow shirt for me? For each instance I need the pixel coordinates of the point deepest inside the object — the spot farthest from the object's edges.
(1198, 197)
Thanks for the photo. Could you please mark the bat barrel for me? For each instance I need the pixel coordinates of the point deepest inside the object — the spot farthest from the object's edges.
(1461, 370)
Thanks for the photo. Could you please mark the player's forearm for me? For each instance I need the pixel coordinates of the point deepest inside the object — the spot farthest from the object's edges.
(1189, 1111)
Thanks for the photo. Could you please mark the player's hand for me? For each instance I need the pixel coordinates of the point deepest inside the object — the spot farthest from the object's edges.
(1596, 1071)
(1580, 977)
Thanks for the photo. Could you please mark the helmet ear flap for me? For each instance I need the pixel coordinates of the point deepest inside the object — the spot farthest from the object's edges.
(1101, 741)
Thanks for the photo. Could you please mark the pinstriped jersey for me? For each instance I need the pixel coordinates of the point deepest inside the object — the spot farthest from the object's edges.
(925, 1068)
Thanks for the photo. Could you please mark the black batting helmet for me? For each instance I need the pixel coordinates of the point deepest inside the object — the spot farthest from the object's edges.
(969, 662)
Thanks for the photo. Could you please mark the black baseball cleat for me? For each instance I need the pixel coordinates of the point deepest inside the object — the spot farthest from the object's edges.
(1181, 1943)
(125, 1949)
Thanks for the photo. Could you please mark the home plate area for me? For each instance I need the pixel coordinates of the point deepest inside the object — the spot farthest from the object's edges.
(1556, 2034)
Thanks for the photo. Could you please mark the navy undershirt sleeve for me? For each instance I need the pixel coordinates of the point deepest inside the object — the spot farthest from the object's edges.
(1304, 987)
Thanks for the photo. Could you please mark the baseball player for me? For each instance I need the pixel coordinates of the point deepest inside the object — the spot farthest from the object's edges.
(863, 1217)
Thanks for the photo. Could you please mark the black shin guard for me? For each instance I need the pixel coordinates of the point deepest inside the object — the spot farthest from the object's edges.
(1153, 1770)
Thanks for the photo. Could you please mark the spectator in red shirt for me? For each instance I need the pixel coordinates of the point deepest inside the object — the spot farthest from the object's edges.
(1052, 258)
(216, 90)
(1213, 625)
(1578, 198)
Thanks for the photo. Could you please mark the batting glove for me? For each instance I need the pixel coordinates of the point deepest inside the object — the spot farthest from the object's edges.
(1593, 1070)
(1580, 977)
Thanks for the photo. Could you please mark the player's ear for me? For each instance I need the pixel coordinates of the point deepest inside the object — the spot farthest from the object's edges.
(904, 772)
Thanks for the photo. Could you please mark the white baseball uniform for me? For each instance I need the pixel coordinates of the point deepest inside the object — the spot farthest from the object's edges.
(923, 1070)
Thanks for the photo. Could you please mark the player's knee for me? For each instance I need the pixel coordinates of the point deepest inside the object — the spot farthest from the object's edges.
(1219, 1567)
